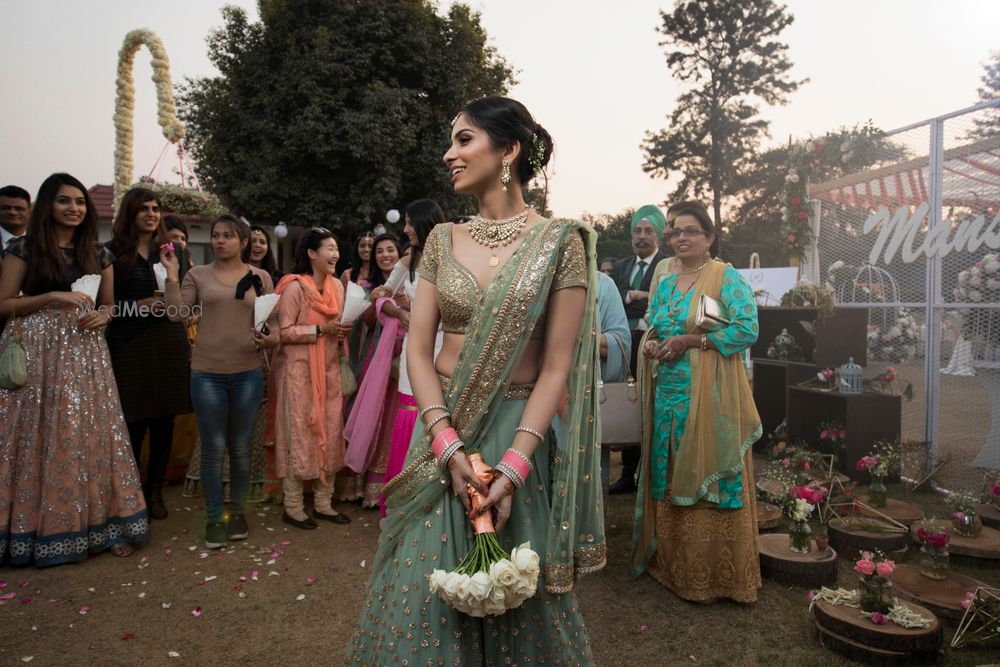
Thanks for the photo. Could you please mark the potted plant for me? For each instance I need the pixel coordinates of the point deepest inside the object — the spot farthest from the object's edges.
(875, 590)
(881, 462)
(965, 519)
(934, 542)
(799, 506)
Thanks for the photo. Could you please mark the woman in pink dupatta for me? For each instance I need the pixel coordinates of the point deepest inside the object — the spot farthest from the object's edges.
(308, 404)
(370, 424)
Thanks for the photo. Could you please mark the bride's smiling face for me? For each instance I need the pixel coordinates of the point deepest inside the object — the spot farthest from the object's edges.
(473, 161)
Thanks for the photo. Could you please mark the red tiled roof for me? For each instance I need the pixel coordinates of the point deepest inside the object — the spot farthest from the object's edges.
(103, 197)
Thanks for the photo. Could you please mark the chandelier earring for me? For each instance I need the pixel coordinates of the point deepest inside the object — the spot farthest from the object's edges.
(505, 174)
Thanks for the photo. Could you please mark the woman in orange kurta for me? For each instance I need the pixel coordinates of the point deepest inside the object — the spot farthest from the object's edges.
(308, 405)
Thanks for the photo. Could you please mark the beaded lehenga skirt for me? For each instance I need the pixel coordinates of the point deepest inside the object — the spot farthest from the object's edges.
(68, 480)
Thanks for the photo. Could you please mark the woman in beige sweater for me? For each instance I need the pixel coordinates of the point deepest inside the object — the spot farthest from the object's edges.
(226, 366)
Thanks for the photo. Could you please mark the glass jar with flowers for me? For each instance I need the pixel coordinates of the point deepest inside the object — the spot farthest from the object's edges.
(801, 502)
(933, 549)
(833, 440)
(965, 520)
(875, 590)
(882, 461)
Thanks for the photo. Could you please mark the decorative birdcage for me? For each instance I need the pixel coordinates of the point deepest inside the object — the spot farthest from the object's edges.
(893, 331)
(851, 381)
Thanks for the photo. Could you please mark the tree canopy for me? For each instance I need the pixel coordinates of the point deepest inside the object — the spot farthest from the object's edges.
(988, 124)
(730, 54)
(330, 113)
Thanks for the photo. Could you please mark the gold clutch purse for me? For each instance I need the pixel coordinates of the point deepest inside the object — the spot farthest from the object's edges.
(711, 315)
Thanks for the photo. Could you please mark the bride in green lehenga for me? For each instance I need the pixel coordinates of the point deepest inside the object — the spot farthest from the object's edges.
(516, 295)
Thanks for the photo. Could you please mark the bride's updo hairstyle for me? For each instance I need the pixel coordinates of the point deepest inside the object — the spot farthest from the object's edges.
(506, 121)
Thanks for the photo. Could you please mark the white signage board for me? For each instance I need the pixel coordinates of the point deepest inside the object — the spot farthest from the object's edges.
(771, 284)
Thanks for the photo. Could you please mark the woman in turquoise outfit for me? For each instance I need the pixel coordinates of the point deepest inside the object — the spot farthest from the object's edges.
(696, 525)
(497, 285)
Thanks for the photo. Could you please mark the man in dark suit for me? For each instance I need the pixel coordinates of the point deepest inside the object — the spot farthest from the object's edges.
(632, 275)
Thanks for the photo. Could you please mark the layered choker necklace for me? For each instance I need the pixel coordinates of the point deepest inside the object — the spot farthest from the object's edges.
(495, 234)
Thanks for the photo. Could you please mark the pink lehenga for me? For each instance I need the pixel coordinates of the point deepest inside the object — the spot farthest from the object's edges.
(369, 427)
(68, 480)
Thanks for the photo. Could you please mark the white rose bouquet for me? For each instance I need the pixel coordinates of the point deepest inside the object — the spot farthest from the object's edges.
(487, 582)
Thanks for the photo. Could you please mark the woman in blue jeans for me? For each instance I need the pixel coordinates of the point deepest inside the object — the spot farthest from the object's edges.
(226, 366)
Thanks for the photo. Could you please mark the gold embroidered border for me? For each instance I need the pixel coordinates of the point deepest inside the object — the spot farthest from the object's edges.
(586, 560)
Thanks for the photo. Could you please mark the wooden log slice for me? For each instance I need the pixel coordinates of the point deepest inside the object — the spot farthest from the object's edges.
(942, 597)
(848, 622)
(862, 533)
(779, 562)
(869, 654)
(989, 514)
(984, 545)
(768, 516)
(905, 513)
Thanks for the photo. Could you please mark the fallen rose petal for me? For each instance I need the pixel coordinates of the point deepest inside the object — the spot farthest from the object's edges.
(127, 635)
(363, 563)
(166, 605)
(196, 612)
(212, 578)
(643, 628)
(173, 654)
(52, 600)
(168, 551)
(310, 581)
(243, 594)
(84, 609)
(91, 590)
(254, 575)
(272, 573)
(335, 568)
(142, 595)
(3, 584)
(27, 658)
(23, 584)
(243, 577)
(300, 597)
(237, 587)
(25, 600)
(8, 596)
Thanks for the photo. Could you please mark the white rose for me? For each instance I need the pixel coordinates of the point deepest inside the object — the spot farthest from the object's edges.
(437, 579)
(524, 559)
(846, 146)
(975, 295)
(975, 280)
(503, 573)
(480, 585)
(452, 586)
(526, 585)
(993, 284)
(894, 332)
(991, 264)
(963, 276)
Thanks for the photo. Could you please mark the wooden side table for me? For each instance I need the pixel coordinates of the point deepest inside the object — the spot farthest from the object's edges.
(868, 417)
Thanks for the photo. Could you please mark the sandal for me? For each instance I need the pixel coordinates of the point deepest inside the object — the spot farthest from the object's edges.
(122, 550)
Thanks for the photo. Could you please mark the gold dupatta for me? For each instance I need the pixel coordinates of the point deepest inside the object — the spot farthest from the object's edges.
(496, 337)
(722, 424)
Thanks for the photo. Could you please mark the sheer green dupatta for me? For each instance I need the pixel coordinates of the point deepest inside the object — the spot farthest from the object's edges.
(496, 338)
(721, 426)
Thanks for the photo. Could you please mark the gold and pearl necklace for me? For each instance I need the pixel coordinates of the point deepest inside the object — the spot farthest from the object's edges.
(495, 234)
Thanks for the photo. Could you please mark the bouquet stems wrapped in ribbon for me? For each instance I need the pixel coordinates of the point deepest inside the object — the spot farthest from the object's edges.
(488, 580)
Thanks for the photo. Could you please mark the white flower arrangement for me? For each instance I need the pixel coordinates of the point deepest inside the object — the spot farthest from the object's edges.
(173, 129)
(488, 589)
(898, 341)
(800, 510)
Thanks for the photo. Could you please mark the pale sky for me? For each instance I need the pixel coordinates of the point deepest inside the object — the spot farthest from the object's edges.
(591, 72)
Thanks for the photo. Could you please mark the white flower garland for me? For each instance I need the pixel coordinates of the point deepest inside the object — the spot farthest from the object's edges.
(173, 129)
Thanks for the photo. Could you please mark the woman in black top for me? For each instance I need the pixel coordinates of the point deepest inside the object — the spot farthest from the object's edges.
(68, 482)
(150, 354)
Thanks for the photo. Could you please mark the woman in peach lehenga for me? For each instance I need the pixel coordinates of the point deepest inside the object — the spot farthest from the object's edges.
(68, 482)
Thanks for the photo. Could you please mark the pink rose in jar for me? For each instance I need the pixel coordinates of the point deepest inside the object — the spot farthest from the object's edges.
(865, 567)
(885, 569)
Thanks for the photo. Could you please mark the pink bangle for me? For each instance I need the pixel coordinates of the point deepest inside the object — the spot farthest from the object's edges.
(442, 440)
(518, 462)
